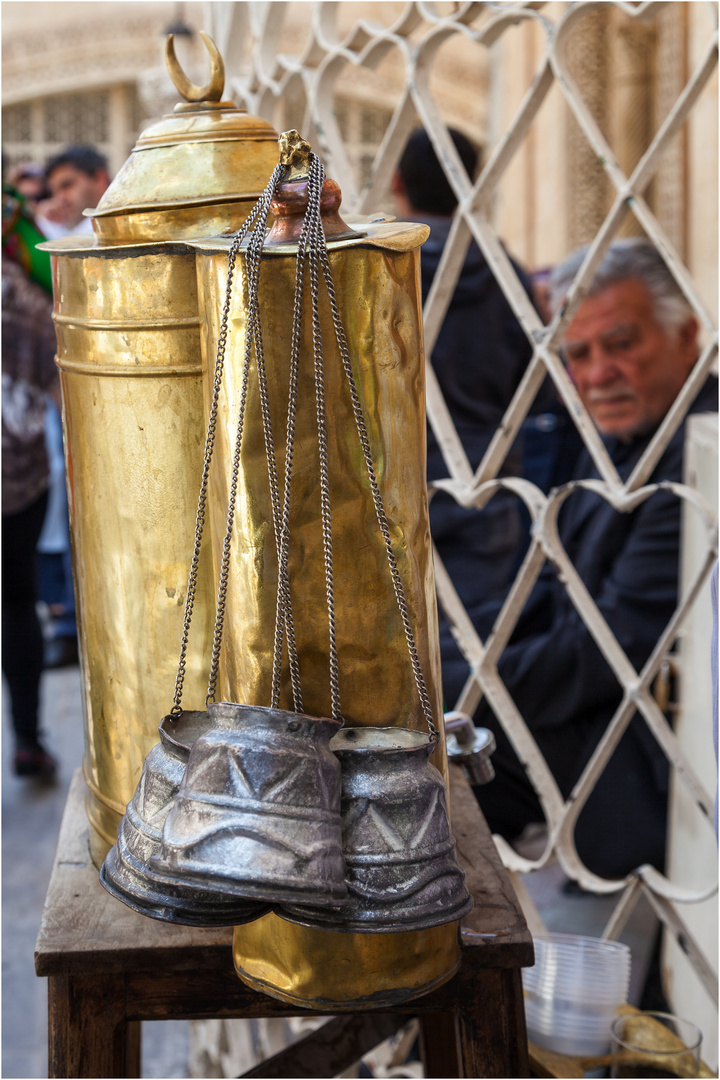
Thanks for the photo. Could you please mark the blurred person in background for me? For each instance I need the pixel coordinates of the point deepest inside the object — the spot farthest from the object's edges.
(28, 376)
(29, 180)
(629, 348)
(479, 358)
(77, 178)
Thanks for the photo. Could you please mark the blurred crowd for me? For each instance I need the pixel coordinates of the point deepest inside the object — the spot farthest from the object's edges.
(628, 349)
(38, 605)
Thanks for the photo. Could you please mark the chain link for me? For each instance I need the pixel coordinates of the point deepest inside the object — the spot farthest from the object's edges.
(283, 556)
(317, 236)
(253, 342)
(284, 617)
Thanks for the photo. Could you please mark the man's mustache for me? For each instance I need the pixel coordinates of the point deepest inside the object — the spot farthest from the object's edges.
(599, 397)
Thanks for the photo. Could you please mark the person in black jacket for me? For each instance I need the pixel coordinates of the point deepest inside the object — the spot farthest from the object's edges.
(479, 359)
(629, 349)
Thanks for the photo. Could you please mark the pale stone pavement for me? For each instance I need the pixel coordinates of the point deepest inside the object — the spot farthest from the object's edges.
(31, 814)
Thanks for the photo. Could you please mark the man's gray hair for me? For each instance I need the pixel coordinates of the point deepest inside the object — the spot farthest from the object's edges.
(626, 259)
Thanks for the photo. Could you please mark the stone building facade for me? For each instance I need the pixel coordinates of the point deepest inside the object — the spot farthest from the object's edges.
(94, 72)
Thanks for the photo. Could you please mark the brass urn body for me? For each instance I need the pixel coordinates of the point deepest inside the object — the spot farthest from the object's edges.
(128, 330)
(377, 283)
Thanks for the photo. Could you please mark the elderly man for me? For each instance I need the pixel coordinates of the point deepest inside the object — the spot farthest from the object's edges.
(629, 348)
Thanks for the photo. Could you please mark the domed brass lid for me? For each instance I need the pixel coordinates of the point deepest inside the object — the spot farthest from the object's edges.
(190, 173)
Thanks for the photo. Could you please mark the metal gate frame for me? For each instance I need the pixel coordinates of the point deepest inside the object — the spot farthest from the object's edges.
(417, 35)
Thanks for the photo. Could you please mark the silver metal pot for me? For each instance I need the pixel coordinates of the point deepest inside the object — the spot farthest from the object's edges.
(402, 871)
(258, 811)
(125, 872)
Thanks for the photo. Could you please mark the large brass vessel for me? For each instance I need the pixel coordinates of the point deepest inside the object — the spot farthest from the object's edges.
(377, 283)
(128, 331)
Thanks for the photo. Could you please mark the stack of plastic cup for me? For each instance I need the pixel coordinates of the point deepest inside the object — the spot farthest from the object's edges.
(573, 992)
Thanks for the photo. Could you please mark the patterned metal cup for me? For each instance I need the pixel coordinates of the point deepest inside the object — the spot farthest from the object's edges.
(402, 871)
(125, 872)
(258, 812)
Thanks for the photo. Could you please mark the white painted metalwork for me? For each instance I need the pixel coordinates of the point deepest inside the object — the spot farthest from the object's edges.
(249, 35)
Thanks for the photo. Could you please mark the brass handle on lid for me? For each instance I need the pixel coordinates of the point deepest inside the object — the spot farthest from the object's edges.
(213, 90)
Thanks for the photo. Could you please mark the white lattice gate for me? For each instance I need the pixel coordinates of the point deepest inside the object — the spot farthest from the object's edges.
(303, 83)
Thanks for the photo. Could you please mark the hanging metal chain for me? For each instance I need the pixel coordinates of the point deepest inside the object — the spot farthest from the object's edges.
(317, 237)
(230, 519)
(258, 213)
(367, 455)
(284, 619)
(253, 342)
(313, 247)
(284, 552)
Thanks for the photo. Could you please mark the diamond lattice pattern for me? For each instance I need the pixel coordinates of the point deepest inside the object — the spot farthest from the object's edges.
(272, 83)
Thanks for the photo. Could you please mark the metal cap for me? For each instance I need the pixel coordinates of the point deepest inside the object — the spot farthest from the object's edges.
(190, 173)
(470, 747)
(125, 872)
(258, 812)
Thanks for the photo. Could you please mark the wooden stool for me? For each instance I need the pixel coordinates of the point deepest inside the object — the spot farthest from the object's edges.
(109, 968)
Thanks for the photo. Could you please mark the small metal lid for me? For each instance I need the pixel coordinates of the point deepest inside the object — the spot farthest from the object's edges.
(207, 152)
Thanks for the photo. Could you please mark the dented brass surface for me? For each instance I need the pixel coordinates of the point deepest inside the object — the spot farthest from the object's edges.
(378, 293)
(128, 329)
(318, 969)
(128, 353)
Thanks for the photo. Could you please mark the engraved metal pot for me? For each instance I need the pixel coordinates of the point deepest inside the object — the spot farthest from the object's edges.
(125, 872)
(402, 871)
(258, 812)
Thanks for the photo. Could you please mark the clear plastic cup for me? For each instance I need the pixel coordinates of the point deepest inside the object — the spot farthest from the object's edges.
(573, 992)
(655, 1044)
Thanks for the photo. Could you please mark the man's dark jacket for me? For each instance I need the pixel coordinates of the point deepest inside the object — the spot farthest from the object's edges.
(479, 358)
(481, 351)
(561, 683)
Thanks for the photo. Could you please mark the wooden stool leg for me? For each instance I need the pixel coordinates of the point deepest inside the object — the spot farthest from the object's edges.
(491, 1016)
(439, 1045)
(88, 1035)
(133, 1048)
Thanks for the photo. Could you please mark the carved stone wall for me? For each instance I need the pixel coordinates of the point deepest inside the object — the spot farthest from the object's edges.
(70, 73)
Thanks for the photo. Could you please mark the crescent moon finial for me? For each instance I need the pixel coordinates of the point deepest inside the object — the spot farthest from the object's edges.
(213, 90)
